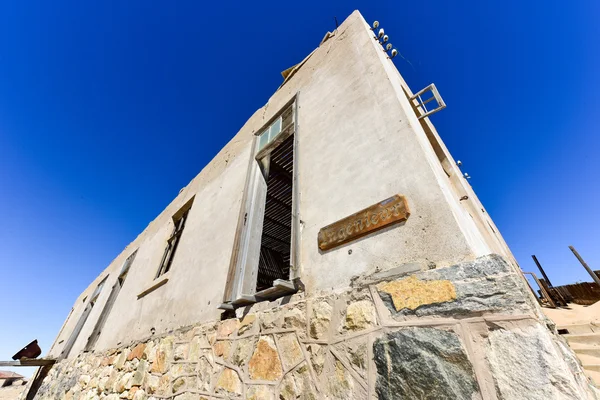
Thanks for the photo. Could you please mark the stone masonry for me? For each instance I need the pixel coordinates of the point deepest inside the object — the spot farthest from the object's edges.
(463, 332)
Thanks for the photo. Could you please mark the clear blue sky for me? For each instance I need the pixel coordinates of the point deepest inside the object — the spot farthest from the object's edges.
(108, 108)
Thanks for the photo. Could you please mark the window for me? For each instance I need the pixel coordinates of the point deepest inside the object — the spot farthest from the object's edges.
(269, 134)
(275, 244)
(114, 293)
(262, 265)
(420, 104)
(179, 221)
(86, 313)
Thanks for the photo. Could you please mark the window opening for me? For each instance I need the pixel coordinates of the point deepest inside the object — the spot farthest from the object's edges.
(114, 293)
(173, 240)
(86, 313)
(262, 264)
(274, 260)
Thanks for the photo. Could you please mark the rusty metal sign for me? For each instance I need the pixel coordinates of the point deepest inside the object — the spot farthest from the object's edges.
(371, 219)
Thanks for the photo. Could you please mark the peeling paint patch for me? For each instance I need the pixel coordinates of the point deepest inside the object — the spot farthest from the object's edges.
(412, 292)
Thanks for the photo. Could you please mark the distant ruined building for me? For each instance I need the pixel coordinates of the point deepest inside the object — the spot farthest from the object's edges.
(331, 250)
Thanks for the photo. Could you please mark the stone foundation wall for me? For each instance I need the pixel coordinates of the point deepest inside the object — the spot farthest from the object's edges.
(469, 331)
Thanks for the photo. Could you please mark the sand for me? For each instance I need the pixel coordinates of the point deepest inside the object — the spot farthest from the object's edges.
(11, 392)
(574, 314)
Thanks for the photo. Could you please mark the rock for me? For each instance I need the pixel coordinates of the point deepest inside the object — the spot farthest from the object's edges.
(132, 392)
(137, 352)
(194, 349)
(288, 390)
(211, 337)
(112, 379)
(320, 319)
(189, 396)
(108, 360)
(246, 323)
(358, 358)
(526, 365)
(139, 375)
(423, 363)
(360, 315)
(230, 381)
(93, 384)
(164, 354)
(120, 359)
(84, 380)
(302, 383)
(486, 284)
(178, 369)
(180, 352)
(295, 318)
(265, 363)
(341, 384)
(150, 351)
(259, 392)
(90, 395)
(162, 387)
(412, 292)
(291, 353)
(205, 372)
(121, 384)
(317, 357)
(73, 394)
(356, 351)
(178, 384)
(187, 335)
(222, 348)
(227, 327)
(243, 351)
(270, 320)
(152, 383)
(139, 395)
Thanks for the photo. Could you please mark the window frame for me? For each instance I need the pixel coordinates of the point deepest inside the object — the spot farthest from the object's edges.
(112, 298)
(239, 290)
(179, 221)
(66, 350)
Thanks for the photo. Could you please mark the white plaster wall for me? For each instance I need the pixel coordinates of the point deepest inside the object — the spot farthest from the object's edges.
(357, 145)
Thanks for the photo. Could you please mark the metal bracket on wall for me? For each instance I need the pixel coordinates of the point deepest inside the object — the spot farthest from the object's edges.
(420, 104)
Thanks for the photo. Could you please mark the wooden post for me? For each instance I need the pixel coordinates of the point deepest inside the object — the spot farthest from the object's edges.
(542, 289)
(589, 270)
(42, 372)
(542, 270)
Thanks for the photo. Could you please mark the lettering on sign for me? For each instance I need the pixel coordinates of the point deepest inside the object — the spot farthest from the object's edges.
(371, 219)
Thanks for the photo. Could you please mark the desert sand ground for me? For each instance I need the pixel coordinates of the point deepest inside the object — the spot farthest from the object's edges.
(574, 314)
(11, 392)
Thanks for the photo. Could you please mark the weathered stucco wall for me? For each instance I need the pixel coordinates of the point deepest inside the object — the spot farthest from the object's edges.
(422, 309)
(468, 331)
(358, 143)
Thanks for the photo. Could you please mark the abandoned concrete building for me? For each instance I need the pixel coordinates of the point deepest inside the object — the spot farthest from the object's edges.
(287, 269)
